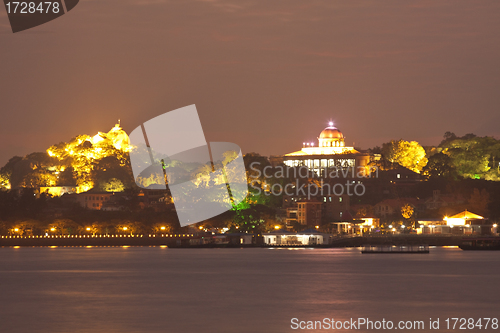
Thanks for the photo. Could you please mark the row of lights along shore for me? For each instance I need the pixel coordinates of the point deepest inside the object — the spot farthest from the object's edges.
(100, 236)
(96, 236)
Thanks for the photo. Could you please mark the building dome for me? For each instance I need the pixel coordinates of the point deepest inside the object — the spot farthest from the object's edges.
(331, 133)
(331, 137)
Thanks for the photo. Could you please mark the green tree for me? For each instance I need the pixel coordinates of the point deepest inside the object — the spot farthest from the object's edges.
(407, 211)
(472, 156)
(5, 180)
(439, 165)
(448, 136)
(409, 154)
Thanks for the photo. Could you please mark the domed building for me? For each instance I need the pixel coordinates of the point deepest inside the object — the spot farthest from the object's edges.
(331, 137)
(329, 152)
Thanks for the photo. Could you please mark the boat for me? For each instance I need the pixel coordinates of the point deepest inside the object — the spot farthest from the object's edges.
(395, 249)
(480, 244)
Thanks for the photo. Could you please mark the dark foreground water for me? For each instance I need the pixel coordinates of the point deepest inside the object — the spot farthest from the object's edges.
(153, 289)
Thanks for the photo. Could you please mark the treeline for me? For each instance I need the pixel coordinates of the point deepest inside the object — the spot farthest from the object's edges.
(455, 157)
(468, 156)
(23, 213)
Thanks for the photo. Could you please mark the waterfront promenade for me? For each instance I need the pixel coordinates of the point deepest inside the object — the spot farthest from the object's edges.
(204, 240)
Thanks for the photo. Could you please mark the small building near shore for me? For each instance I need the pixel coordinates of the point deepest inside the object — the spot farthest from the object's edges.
(359, 226)
(464, 223)
(286, 238)
(240, 238)
(94, 200)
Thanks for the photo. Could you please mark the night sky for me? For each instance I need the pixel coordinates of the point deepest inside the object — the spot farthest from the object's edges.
(267, 75)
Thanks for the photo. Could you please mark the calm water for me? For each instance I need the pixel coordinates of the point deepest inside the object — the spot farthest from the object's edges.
(153, 289)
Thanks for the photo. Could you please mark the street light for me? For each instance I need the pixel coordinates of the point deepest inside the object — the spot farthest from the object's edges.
(88, 229)
(162, 228)
(276, 227)
(16, 229)
(52, 229)
(125, 228)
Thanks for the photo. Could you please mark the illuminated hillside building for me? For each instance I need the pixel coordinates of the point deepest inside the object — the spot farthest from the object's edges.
(330, 153)
(82, 153)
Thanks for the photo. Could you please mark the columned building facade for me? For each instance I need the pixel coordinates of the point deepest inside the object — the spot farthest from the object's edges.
(330, 159)
(330, 153)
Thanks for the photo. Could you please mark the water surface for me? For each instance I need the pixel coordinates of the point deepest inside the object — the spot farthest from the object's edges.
(153, 289)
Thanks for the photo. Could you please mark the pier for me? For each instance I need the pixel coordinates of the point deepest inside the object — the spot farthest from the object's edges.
(395, 249)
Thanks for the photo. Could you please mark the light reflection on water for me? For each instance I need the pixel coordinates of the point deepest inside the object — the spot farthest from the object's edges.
(152, 289)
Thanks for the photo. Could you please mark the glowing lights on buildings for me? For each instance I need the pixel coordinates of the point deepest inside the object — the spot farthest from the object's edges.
(329, 152)
(84, 150)
(461, 219)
